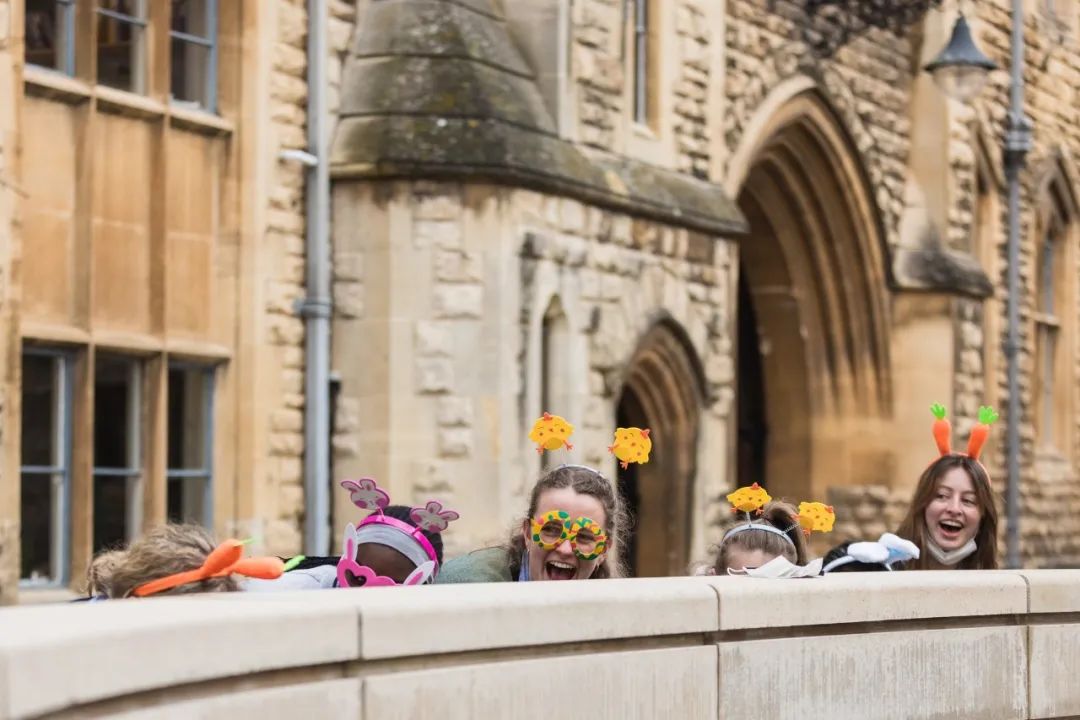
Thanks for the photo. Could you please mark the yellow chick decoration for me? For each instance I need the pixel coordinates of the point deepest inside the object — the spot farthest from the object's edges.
(815, 516)
(632, 445)
(551, 432)
(748, 499)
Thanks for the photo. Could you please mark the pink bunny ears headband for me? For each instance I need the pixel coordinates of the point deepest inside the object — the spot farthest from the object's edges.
(381, 529)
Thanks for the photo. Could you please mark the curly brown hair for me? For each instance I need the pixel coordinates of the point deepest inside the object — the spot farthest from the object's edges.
(585, 481)
(162, 551)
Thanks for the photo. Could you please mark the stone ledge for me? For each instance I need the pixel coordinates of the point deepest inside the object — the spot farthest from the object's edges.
(478, 150)
(936, 269)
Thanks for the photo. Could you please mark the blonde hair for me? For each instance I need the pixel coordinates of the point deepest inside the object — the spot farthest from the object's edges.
(162, 551)
(776, 514)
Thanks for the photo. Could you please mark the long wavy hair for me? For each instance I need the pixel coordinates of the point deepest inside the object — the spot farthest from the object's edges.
(913, 527)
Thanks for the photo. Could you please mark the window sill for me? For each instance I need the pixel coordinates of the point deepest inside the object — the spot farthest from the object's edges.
(127, 103)
(197, 350)
(49, 333)
(55, 85)
(643, 131)
(199, 120)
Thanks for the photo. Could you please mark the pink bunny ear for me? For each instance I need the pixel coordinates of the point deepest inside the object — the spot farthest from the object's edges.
(432, 517)
(421, 574)
(366, 494)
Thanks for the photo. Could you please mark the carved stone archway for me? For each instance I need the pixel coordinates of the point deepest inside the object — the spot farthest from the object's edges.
(815, 268)
(663, 390)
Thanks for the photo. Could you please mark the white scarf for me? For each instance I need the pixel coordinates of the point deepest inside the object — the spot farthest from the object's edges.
(951, 557)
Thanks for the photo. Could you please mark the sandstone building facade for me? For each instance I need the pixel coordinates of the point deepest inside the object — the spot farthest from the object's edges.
(772, 242)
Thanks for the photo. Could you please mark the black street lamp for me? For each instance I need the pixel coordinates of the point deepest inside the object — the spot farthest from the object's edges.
(961, 71)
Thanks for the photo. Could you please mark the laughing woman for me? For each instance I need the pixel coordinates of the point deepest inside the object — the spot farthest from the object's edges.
(573, 530)
(952, 517)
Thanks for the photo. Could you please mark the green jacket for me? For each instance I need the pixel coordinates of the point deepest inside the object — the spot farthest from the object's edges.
(487, 565)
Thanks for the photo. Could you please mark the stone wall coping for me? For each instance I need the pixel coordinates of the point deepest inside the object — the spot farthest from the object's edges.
(66, 656)
(878, 597)
(1053, 591)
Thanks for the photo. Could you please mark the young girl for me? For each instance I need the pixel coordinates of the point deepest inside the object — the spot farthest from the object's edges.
(750, 545)
(952, 518)
(393, 545)
(175, 559)
(572, 530)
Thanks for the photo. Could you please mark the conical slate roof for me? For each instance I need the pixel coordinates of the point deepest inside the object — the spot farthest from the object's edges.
(437, 89)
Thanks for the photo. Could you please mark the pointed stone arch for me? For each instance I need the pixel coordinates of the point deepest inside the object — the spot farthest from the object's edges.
(816, 270)
(663, 389)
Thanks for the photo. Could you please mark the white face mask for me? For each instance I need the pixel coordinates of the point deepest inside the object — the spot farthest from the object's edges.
(781, 567)
(952, 557)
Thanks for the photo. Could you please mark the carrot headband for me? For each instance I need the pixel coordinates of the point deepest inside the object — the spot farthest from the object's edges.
(631, 445)
(811, 516)
(943, 431)
(226, 559)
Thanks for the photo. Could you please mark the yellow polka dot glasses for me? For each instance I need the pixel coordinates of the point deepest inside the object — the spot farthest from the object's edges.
(552, 529)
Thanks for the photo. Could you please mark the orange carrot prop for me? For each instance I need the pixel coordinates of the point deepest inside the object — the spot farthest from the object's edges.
(942, 429)
(225, 559)
(987, 417)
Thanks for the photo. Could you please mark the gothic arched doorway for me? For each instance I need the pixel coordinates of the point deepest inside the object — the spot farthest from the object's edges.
(663, 392)
(813, 356)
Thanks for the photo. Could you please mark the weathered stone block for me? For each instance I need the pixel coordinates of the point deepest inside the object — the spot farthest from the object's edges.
(433, 338)
(349, 266)
(437, 233)
(455, 442)
(286, 444)
(434, 375)
(455, 411)
(458, 266)
(348, 300)
(459, 301)
(286, 421)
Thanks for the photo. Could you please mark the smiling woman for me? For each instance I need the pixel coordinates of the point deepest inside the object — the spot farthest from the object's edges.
(572, 530)
(952, 517)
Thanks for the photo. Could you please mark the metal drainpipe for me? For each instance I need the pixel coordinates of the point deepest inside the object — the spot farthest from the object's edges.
(1017, 144)
(316, 307)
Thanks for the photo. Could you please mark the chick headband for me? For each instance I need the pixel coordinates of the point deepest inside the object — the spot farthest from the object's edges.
(810, 517)
(225, 559)
(630, 445)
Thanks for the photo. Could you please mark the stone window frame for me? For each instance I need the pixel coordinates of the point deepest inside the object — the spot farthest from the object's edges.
(64, 62)
(1052, 297)
(645, 21)
(132, 471)
(138, 23)
(59, 471)
(209, 42)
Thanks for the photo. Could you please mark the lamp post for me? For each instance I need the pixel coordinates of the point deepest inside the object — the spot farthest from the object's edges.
(961, 70)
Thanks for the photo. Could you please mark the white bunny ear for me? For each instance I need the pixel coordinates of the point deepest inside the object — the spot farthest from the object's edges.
(899, 545)
(421, 574)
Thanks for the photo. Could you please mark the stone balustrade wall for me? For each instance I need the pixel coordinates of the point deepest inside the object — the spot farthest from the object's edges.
(992, 644)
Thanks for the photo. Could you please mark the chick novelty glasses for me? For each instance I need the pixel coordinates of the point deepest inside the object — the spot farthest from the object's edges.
(586, 537)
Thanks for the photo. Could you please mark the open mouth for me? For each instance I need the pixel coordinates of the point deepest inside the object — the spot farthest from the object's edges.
(950, 529)
(557, 570)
